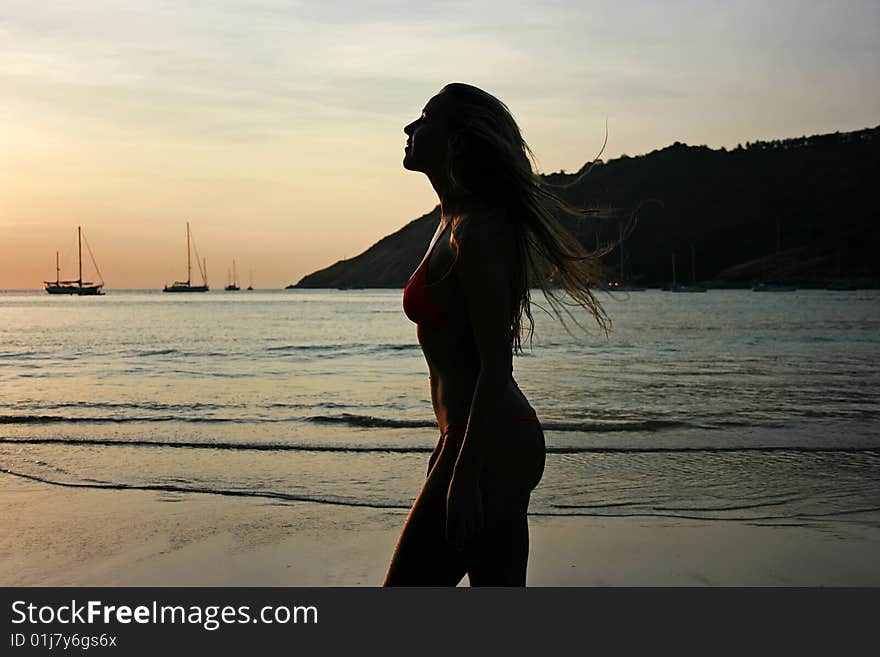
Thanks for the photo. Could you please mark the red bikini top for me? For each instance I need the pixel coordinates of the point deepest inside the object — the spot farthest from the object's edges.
(417, 302)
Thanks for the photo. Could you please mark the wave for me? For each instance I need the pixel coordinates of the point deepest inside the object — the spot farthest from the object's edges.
(137, 406)
(353, 420)
(873, 451)
(146, 353)
(67, 419)
(578, 426)
(201, 412)
(39, 405)
(348, 419)
(307, 406)
(689, 509)
(20, 354)
(174, 488)
(190, 413)
(689, 516)
(397, 347)
(157, 352)
(311, 347)
(584, 511)
(341, 346)
(612, 426)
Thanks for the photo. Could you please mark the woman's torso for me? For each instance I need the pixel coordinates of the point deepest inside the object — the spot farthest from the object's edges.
(448, 343)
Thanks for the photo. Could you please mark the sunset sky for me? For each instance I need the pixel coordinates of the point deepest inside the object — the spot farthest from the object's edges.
(275, 127)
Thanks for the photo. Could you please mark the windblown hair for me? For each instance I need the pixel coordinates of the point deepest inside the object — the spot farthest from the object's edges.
(492, 164)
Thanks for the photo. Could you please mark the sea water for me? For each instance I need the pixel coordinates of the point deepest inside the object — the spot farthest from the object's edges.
(727, 406)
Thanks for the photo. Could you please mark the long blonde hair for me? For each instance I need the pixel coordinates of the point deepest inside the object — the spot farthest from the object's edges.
(491, 163)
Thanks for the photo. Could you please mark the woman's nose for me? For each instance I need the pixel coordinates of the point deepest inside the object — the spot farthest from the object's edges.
(408, 129)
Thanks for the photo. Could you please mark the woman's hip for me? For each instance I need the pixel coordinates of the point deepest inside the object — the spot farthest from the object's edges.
(515, 460)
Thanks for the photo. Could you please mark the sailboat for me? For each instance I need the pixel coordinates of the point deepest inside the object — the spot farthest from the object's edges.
(619, 285)
(251, 285)
(686, 288)
(233, 280)
(772, 286)
(79, 286)
(187, 286)
(764, 285)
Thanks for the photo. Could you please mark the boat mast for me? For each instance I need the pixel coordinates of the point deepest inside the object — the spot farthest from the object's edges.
(234, 275)
(673, 270)
(188, 265)
(80, 250)
(57, 269)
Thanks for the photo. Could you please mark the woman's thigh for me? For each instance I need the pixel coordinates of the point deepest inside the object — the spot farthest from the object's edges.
(422, 556)
(499, 554)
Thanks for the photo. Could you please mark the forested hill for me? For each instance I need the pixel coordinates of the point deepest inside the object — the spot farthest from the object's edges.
(804, 210)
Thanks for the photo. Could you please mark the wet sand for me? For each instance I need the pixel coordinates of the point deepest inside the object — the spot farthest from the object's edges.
(84, 537)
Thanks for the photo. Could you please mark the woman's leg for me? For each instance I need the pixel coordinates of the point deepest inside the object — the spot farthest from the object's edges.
(422, 557)
(499, 554)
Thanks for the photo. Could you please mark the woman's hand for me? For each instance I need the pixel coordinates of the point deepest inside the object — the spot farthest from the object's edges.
(464, 509)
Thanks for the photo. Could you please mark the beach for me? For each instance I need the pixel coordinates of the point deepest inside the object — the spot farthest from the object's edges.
(85, 537)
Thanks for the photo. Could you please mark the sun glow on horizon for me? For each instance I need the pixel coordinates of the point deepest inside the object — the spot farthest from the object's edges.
(276, 129)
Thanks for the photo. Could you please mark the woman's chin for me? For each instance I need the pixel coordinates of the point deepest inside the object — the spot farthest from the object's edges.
(408, 163)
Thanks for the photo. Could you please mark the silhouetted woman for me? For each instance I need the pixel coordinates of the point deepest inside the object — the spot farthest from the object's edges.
(497, 234)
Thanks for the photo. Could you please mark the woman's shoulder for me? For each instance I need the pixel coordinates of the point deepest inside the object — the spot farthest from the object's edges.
(482, 226)
(484, 241)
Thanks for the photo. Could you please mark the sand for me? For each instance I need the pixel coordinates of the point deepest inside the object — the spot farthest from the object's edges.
(84, 537)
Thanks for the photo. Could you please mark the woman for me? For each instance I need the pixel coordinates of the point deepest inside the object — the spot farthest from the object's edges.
(497, 234)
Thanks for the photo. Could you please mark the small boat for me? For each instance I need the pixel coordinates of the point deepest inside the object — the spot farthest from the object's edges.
(233, 280)
(251, 285)
(675, 287)
(78, 287)
(619, 285)
(842, 286)
(187, 286)
(772, 286)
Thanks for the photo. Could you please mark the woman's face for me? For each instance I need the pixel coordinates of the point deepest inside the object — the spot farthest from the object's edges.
(427, 147)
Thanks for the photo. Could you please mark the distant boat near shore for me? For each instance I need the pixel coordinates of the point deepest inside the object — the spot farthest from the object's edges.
(675, 287)
(233, 280)
(842, 286)
(619, 285)
(187, 286)
(78, 287)
(772, 286)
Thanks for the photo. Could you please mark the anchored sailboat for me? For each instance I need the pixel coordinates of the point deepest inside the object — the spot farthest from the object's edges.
(251, 285)
(676, 287)
(187, 286)
(619, 284)
(233, 280)
(764, 285)
(79, 286)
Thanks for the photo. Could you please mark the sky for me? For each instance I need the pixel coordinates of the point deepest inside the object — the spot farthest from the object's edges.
(275, 127)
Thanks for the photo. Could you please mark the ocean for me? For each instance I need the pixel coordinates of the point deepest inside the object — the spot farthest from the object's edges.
(727, 406)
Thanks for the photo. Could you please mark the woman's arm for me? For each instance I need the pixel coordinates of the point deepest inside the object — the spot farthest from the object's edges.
(482, 270)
